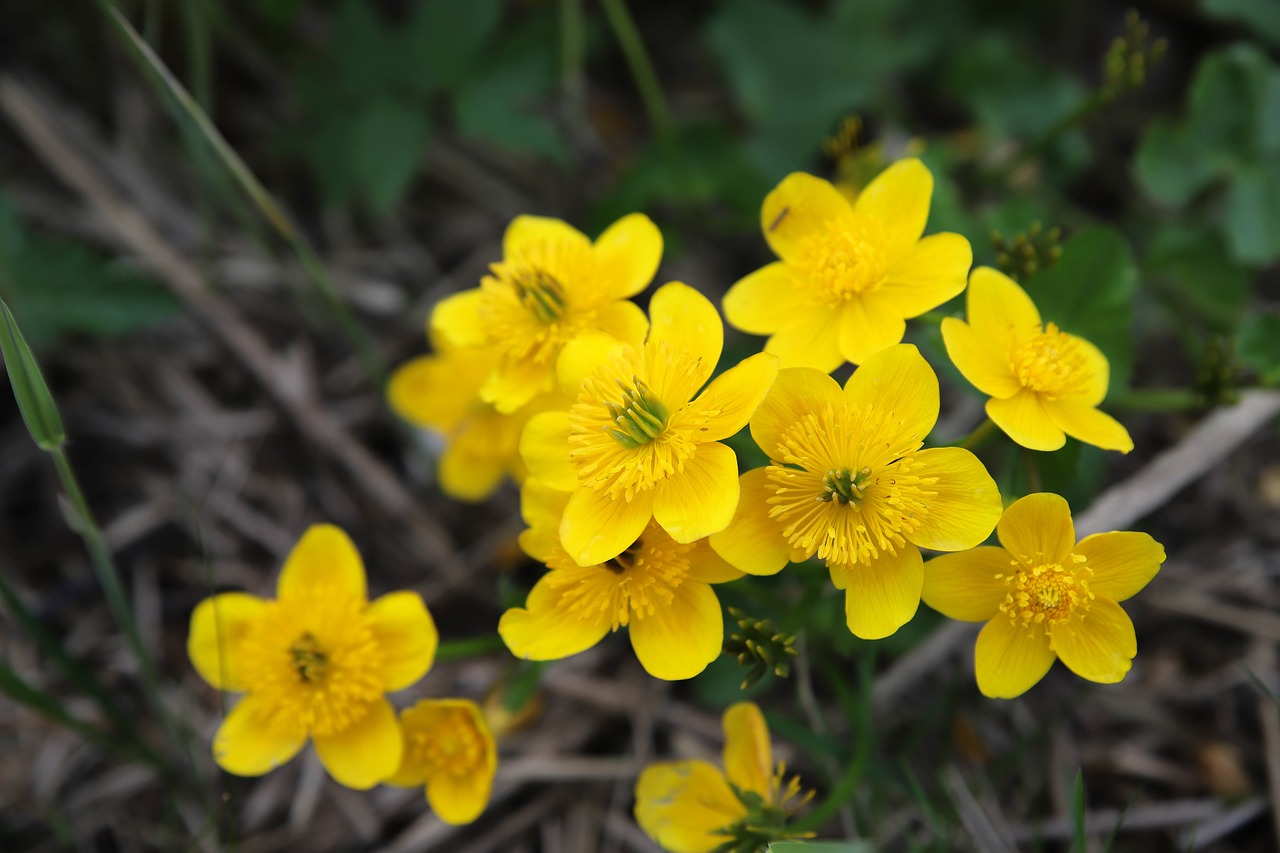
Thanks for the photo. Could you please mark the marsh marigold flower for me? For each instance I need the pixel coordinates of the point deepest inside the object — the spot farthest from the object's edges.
(849, 275)
(693, 807)
(314, 664)
(1042, 381)
(657, 587)
(637, 444)
(849, 483)
(551, 285)
(1044, 595)
(449, 749)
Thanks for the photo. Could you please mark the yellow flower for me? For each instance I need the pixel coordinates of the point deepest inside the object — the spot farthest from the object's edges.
(1045, 596)
(314, 663)
(850, 483)
(657, 586)
(850, 274)
(1042, 381)
(636, 445)
(448, 748)
(551, 285)
(693, 807)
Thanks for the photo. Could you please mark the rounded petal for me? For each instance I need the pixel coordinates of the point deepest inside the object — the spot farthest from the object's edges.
(1123, 562)
(678, 639)
(761, 302)
(967, 586)
(627, 255)
(868, 324)
(966, 503)
(701, 499)
(1039, 528)
(1085, 423)
(899, 198)
(686, 321)
(437, 391)
(471, 468)
(882, 597)
(810, 338)
(1024, 418)
(526, 232)
(596, 528)
(709, 567)
(748, 755)
(217, 625)
(999, 310)
(324, 557)
(251, 741)
(459, 800)
(732, 398)
(899, 382)
(1100, 646)
(552, 625)
(541, 507)
(583, 355)
(979, 359)
(933, 271)
(623, 320)
(364, 754)
(458, 320)
(544, 447)
(406, 635)
(800, 205)
(683, 805)
(1010, 659)
(516, 381)
(1098, 370)
(753, 542)
(797, 392)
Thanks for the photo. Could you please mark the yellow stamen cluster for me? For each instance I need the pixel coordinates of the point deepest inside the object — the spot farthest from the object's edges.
(637, 583)
(1046, 592)
(452, 745)
(527, 311)
(842, 261)
(1051, 363)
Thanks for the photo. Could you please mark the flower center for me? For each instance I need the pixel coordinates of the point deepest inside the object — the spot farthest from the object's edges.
(844, 486)
(640, 416)
(840, 264)
(533, 303)
(538, 291)
(451, 746)
(1052, 363)
(1040, 591)
(309, 661)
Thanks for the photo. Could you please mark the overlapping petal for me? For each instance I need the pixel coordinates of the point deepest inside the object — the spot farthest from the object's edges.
(753, 542)
(869, 324)
(627, 255)
(550, 626)
(218, 624)
(810, 337)
(762, 302)
(701, 499)
(678, 640)
(965, 504)
(748, 754)
(682, 805)
(732, 397)
(1122, 562)
(252, 741)
(1100, 646)
(930, 273)
(1010, 659)
(982, 360)
(969, 585)
(406, 636)
(899, 382)
(682, 321)
(883, 596)
(365, 752)
(597, 527)
(1038, 528)
(1024, 418)
(1086, 423)
(795, 393)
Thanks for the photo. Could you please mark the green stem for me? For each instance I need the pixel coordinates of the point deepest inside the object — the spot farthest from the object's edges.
(655, 103)
(1034, 483)
(1158, 400)
(572, 48)
(980, 433)
(472, 647)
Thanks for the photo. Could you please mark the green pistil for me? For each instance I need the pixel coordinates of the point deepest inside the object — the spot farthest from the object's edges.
(308, 660)
(845, 486)
(539, 291)
(641, 418)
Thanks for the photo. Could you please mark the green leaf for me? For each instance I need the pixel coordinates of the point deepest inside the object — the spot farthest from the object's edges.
(1079, 840)
(1171, 166)
(1201, 274)
(821, 847)
(448, 37)
(39, 411)
(1258, 346)
(1253, 214)
(388, 140)
(1262, 16)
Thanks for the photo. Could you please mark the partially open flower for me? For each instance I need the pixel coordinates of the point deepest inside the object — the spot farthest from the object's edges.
(449, 750)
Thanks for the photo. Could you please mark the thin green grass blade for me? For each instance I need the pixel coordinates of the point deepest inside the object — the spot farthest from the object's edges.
(39, 412)
(1079, 843)
(19, 690)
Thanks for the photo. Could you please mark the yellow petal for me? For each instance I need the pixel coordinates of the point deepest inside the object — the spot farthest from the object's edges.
(933, 271)
(686, 322)
(1100, 646)
(900, 382)
(541, 507)
(1084, 422)
(583, 355)
(406, 635)
(682, 805)
(459, 800)
(881, 597)
(435, 391)
(1024, 419)
(1098, 370)
(362, 755)
(796, 393)
(627, 255)
(966, 503)
(979, 359)
(678, 639)
(899, 198)
(700, 500)
(527, 232)
(965, 586)
(471, 469)
(458, 320)
(753, 542)
(868, 324)
(596, 527)
(809, 338)
(709, 567)
(731, 399)
(623, 320)
(999, 310)
(218, 624)
(324, 557)
(748, 755)
(1122, 562)
(251, 741)
(1039, 528)
(544, 447)
(799, 206)
(552, 624)
(1010, 659)
(761, 302)
(516, 381)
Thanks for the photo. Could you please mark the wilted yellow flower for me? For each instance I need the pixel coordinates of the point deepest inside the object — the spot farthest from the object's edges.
(636, 444)
(849, 482)
(551, 285)
(849, 275)
(314, 663)
(1042, 382)
(658, 587)
(1045, 596)
(449, 749)
(692, 807)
